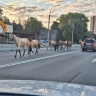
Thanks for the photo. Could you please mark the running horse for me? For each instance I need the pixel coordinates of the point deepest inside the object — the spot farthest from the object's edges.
(34, 43)
(21, 42)
(51, 44)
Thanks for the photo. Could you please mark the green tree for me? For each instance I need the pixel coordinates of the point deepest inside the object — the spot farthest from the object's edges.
(63, 19)
(1, 14)
(66, 32)
(5, 20)
(33, 26)
(59, 34)
(79, 21)
(55, 25)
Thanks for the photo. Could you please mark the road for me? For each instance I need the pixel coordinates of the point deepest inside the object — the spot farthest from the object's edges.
(65, 66)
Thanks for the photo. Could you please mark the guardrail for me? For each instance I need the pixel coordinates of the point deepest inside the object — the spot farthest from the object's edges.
(12, 47)
(9, 47)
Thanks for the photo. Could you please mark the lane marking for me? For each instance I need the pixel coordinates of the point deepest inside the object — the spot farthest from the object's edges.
(37, 59)
(94, 60)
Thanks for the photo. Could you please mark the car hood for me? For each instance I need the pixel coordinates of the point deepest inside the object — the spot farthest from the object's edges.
(46, 88)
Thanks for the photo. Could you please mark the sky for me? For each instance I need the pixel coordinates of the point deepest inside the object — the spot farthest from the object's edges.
(20, 10)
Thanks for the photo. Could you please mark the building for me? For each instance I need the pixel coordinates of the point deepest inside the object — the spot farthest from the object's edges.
(44, 34)
(93, 24)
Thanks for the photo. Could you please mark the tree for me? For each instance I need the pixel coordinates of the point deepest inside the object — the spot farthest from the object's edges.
(14, 26)
(80, 26)
(5, 20)
(63, 19)
(1, 14)
(59, 34)
(17, 27)
(55, 25)
(33, 26)
(66, 32)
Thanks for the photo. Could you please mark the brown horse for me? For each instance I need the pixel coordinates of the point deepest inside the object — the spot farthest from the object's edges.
(51, 44)
(69, 45)
(63, 43)
(21, 42)
(81, 43)
(35, 44)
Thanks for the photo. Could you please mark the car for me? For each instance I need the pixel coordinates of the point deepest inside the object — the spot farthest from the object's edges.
(44, 88)
(89, 44)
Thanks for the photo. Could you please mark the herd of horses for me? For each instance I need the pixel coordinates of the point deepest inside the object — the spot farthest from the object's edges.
(22, 42)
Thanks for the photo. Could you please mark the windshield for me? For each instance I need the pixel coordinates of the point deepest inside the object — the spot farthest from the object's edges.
(48, 40)
(89, 41)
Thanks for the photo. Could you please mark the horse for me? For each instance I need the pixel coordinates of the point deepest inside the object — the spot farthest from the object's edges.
(63, 43)
(51, 44)
(69, 45)
(81, 43)
(35, 44)
(21, 42)
(56, 46)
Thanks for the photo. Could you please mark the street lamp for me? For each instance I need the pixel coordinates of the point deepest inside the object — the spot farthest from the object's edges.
(72, 31)
(49, 21)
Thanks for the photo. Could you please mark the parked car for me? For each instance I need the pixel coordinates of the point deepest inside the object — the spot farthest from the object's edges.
(89, 44)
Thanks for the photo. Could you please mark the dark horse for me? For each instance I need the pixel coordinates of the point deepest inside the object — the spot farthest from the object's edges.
(56, 47)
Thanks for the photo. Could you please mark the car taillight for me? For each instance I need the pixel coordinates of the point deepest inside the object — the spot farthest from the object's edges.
(94, 44)
(82, 45)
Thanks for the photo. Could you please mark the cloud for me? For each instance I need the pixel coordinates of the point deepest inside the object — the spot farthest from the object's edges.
(51, 1)
(87, 7)
(22, 4)
(80, 6)
(25, 0)
(11, 3)
(14, 11)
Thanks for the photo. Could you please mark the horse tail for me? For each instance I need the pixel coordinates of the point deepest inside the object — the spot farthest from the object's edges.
(30, 49)
(38, 45)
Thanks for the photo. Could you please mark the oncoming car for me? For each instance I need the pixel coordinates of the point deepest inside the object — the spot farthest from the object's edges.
(89, 44)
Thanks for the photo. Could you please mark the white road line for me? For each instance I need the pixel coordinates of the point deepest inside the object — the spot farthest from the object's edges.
(31, 60)
(94, 60)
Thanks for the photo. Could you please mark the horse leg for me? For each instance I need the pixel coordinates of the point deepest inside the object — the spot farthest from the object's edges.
(37, 49)
(20, 53)
(16, 53)
(56, 47)
(65, 47)
(32, 51)
(24, 51)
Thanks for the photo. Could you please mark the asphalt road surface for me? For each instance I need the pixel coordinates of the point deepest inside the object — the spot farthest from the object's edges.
(65, 66)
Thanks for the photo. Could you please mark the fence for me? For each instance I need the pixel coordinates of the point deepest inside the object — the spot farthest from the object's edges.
(9, 47)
